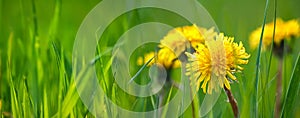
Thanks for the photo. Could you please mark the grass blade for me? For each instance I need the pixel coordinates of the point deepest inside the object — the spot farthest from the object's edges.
(163, 115)
(270, 57)
(70, 101)
(46, 108)
(274, 29)
(258, 59)
(140, 70)
(293, 91)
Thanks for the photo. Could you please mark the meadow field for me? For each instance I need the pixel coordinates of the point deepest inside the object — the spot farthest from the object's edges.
(43, 75)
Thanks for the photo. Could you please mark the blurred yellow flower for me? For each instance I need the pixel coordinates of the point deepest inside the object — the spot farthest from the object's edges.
(284, 31)
(215, 61)
(175, 43)
(164, 56)
(179, 39)
(292, 28)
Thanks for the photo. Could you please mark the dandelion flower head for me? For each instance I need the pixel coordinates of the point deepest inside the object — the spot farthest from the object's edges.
(214, 62)
(283, 31)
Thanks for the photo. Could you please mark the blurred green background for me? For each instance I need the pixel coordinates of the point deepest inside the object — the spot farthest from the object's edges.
(36, 42)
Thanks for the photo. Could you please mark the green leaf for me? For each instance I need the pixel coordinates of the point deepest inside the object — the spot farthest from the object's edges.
(293, 91)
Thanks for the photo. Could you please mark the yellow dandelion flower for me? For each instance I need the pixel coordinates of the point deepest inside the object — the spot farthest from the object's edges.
(181, 38)
(235, 56)
(164, 56)
(292, 28)
(284, 31)
(192, 33)
(215, 61)
(175, 41)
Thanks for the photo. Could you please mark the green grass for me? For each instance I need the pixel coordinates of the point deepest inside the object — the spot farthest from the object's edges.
(37, 77)
(257, 79)
(292, 92)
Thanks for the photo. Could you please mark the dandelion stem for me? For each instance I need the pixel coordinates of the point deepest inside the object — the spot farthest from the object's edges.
(233, 102)
(278, 89)
(183, 59)
(193, 105)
